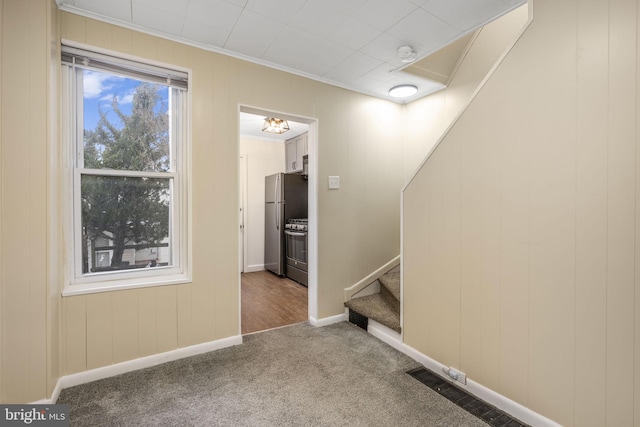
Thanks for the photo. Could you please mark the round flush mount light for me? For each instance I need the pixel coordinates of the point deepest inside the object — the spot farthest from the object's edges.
(403, 91)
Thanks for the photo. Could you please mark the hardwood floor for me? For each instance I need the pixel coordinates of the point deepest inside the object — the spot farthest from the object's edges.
(269, 301)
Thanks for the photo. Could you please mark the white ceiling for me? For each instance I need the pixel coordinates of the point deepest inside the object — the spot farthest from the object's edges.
(347, 43)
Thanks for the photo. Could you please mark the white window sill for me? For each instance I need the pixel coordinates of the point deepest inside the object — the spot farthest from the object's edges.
(123, 284)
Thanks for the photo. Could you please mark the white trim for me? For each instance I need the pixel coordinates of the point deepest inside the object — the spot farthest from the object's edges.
(120, 285)
(211, 48)
(56, 392)
(243, 239)
(326, 321)
(54, 396)
(137, 364)
(276, 328)
(178, 176)
(513, 408)
(312, 149)
(402, 265)
(128, 173)
(368, 280)
(385, 334)
(207, 47)
(381, 332)
(313, 241)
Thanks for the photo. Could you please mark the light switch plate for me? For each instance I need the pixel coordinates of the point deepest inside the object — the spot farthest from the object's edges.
(334, 182)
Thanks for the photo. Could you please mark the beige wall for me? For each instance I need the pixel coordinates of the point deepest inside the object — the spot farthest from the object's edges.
(56, 254)
(521, 265)
(29, 292)
(428, 118)
(358, 224)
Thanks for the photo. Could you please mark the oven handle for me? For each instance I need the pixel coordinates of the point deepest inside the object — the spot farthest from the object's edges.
(295, 233)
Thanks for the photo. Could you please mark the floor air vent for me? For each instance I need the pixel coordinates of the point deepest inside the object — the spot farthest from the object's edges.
(358, 319)
(486, 412)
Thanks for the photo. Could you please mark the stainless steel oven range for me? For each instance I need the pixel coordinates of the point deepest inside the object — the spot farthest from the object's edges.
(296, 250)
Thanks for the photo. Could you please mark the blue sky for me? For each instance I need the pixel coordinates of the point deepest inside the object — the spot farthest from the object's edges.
(99, 90)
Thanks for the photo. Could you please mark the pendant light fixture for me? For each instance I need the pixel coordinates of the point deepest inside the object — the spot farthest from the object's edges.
(274, 125)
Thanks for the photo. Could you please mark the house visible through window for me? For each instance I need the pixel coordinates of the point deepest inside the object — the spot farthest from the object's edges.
(128, 138)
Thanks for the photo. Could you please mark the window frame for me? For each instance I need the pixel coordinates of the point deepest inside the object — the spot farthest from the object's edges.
(178, 177)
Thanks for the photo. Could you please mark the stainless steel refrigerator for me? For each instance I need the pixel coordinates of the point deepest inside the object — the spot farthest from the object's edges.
(285, 197)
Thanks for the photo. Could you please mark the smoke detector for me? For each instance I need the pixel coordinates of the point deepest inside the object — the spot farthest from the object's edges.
(407, 54)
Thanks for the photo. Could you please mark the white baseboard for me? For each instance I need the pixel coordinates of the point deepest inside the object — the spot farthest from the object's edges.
(156, 359)
(136, 364)
(328, 320)
(511, 407)
(254, 268)
(54, 395)
(385, 334)
(376, 329)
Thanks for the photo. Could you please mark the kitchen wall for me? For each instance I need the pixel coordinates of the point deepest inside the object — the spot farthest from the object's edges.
(521, 234)
(262, 158)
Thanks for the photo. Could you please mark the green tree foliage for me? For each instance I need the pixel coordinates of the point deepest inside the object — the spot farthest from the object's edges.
(128, 210)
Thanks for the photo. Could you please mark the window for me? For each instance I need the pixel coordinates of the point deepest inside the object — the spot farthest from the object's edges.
(126, 127)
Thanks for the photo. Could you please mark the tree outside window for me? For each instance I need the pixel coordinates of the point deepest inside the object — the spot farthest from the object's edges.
(126, 216)
(126, 124)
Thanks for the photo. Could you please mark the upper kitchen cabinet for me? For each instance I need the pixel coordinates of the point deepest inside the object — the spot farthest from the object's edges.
(295, 149)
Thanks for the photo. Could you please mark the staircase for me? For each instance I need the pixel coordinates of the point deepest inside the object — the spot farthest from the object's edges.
(383, 307)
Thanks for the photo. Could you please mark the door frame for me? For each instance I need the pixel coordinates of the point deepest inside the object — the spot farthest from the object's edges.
(312, 149)
(242, 215)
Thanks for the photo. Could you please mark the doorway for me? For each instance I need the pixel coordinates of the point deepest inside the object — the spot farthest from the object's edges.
(269, 300)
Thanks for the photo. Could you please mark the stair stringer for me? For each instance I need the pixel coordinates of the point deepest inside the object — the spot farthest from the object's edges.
(369, 280)
(370, 289)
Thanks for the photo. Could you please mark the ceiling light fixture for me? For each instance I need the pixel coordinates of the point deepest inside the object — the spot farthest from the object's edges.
(273, 125)
(403, 91)
(407, 54)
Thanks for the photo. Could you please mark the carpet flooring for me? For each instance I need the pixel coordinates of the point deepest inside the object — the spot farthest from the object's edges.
(299, 375)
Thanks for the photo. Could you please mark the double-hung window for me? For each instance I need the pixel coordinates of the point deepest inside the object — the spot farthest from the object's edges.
(126, 127)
